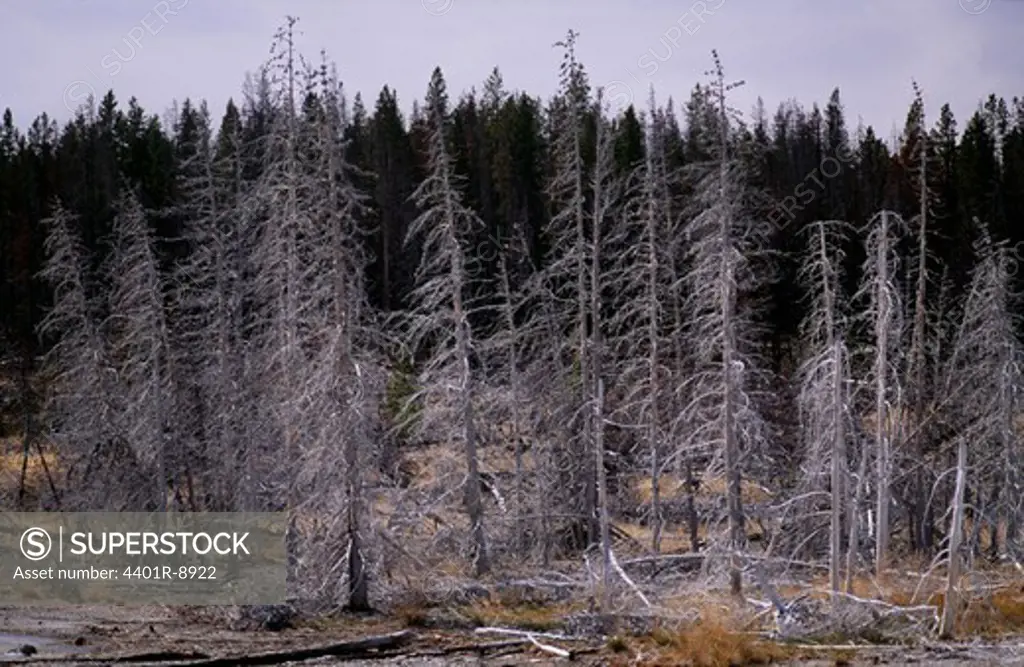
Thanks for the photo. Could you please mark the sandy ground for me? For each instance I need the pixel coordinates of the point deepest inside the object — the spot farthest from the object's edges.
(87, 634)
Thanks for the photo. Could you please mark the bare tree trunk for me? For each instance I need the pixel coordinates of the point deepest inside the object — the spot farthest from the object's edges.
(654, 414)
(161, 455)
(474, 503)
(729, 408)
(853, 543)
(881, 404)
(919, 494)
(585, 347)
(602, 497)
(28, 405)
(838, 465)
(691, 508)
(358, 582)
(952, 601)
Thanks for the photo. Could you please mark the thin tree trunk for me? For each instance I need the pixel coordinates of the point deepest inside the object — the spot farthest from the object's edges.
(853, 543)
(691, 509)
(838, 461)
(952, 601)
(161, 455)
(29, 434)
(602, 497)
(881, 415)
(919, 495)
(473, 501)
(734, 498)
(654, 414)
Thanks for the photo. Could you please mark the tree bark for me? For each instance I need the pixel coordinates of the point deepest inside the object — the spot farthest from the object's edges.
(952, 599)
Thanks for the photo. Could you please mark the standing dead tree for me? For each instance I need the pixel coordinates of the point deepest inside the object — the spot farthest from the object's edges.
(985, 370)
(917, 359)
(79, 408)
(208, 322)
(824, 394)
(140, 350)
(344, 377)
(560, 327)
(643, 275)
(724, 240)
(884, 313)
(439, 321)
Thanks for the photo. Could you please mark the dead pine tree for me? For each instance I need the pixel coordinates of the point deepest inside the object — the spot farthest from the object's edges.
(824, 390)
(278, 203)
(559, 322)
(724, 240)
(342, 375)
(643, 298)
(884, 316)
(917, 376)
(439, 321)
(137, 332)
(984, 369)
(78, 408)
(606, 188)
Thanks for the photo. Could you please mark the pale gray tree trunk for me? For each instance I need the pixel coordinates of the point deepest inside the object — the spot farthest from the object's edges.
(882, 430)
(947, 623)
(838, 475)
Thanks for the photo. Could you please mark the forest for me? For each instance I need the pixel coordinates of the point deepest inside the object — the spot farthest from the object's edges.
(510, 339)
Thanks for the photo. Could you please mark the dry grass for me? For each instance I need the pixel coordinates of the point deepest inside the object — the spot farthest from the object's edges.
(524, 615)
(991, 614)
(992, 603)
(11, 461)
(672, 540)
(670, 487)
(717, 640)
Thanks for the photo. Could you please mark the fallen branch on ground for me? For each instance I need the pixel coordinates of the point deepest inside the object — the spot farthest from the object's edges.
(368, 647)
(526, 633)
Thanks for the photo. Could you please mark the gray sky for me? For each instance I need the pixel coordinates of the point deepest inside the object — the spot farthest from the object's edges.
(56, 51)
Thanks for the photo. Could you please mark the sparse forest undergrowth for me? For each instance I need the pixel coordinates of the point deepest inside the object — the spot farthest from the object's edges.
(552, 369)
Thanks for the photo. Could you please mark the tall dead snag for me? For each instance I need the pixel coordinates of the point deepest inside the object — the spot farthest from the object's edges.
(824, 395)
(563, 294)
(984, 371)
(723, 240)
(884, 314)
(605, 188)
(439, 320)
(140, 348)
(344, 376)
(285, 233)
(917, 377)
(643, 295)
(79, 409)
(951, 602)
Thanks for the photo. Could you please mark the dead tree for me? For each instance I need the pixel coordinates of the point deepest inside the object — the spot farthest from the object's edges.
(824, 396)
(884, 314)
(439, 321)
(724, 240)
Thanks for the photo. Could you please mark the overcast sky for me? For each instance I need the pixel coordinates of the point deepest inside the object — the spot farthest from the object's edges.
(57, 51)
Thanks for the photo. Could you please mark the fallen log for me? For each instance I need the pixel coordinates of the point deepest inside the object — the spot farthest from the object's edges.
(365, 648)
(358, 648)
(150, 657)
